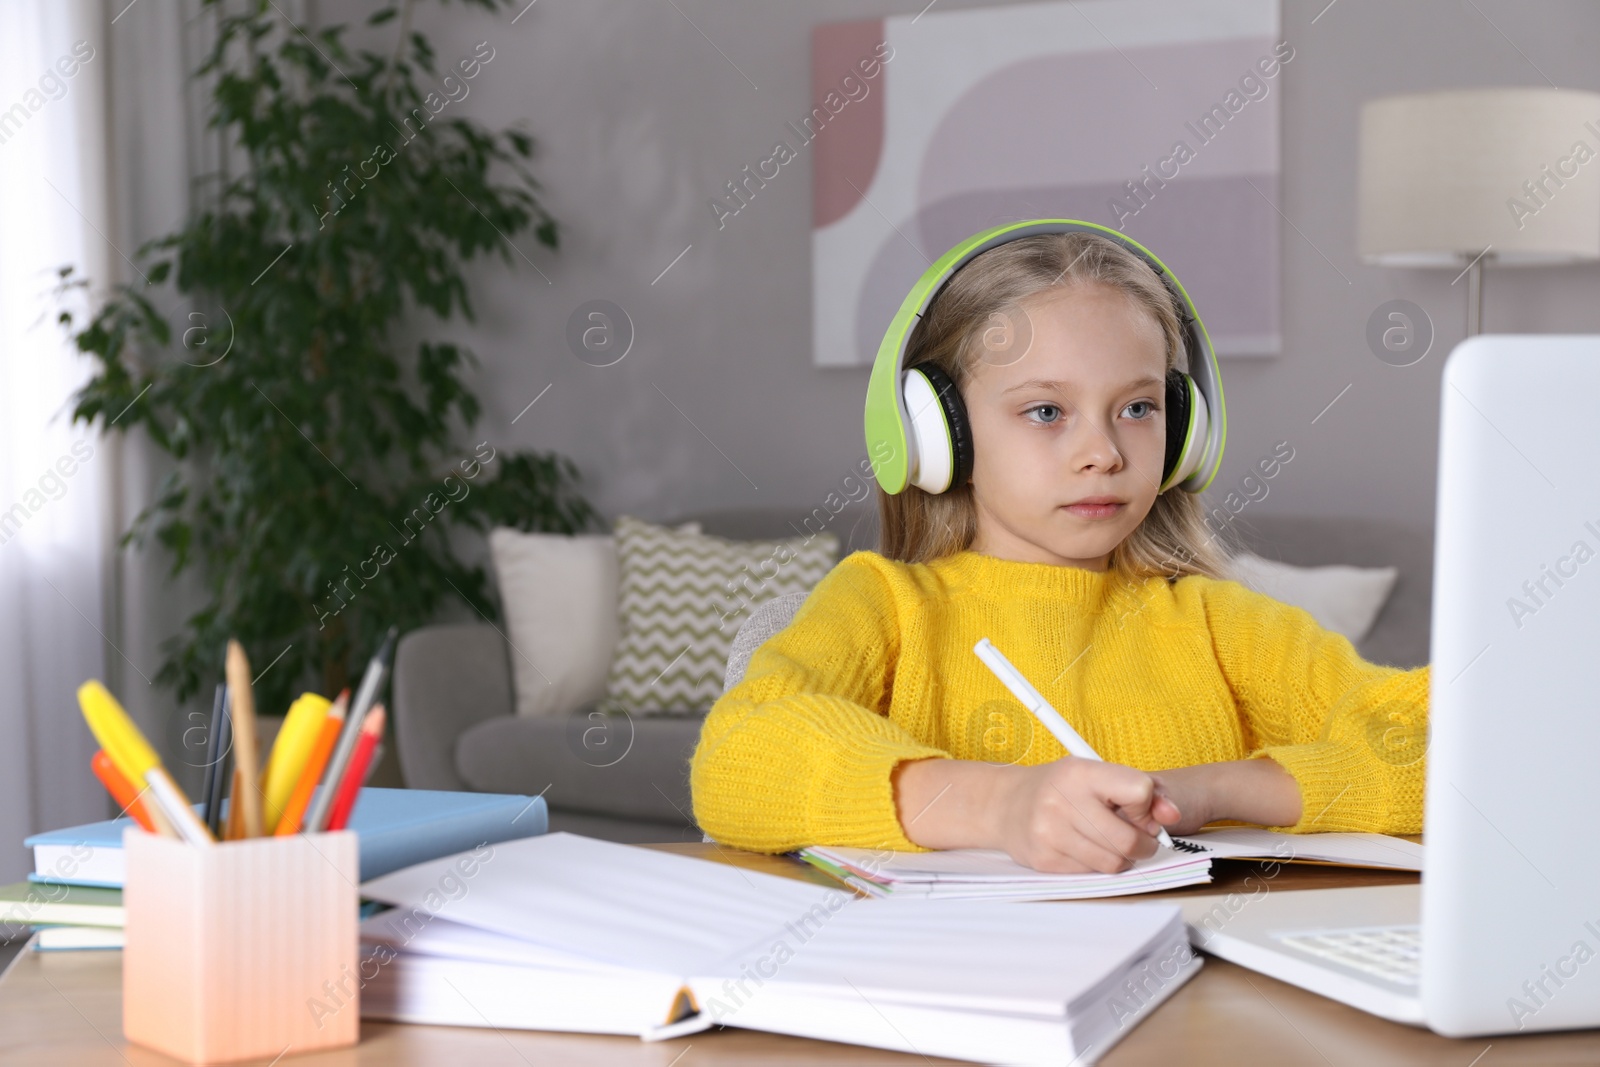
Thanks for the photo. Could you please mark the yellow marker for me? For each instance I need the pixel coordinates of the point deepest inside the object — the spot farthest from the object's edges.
(289, 753)
(138, 762)
(116, 732)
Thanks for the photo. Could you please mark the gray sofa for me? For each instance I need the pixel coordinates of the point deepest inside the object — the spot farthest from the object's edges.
(627, 780)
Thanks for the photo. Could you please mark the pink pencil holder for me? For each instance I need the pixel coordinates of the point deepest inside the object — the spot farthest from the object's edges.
(241, 950)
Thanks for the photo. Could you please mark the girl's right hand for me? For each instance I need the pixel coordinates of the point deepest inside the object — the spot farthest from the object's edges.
(1076, 815)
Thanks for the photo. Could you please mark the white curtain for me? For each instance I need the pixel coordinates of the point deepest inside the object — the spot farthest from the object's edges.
(56, 527)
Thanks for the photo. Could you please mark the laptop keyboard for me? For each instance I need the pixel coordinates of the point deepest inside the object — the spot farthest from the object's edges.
(1393, 953)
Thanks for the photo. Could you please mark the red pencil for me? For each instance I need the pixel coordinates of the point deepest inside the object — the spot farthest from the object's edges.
(356, 772)
(120, 788)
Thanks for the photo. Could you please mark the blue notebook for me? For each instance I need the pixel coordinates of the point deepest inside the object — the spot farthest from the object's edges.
(396, 827)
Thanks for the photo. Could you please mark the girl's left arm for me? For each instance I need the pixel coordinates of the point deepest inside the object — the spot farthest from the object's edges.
(1352, 734)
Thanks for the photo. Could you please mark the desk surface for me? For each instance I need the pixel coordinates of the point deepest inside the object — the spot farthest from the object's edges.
(66, 1008)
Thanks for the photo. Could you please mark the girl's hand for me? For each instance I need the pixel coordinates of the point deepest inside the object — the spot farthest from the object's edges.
(1076, 815)
(1192, 791)
(1249, 790)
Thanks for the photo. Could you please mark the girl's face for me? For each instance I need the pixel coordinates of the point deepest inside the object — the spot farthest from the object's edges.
(1080, 416)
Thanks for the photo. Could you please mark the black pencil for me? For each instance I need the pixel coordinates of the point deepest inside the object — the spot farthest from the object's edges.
(208, 784)
(218, 744)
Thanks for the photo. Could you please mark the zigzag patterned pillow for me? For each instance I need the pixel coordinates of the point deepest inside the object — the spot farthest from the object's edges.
(683, 597)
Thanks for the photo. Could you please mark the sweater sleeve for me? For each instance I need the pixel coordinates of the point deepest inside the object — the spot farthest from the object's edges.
(800, 751)
(1352, 733)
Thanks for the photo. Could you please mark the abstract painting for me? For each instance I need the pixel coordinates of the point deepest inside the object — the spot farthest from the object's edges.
(1158, 118)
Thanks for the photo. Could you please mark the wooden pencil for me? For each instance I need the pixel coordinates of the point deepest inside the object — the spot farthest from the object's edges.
(235, 827)
(247, 794)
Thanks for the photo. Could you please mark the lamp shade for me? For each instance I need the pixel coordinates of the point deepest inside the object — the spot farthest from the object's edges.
(1445, 175)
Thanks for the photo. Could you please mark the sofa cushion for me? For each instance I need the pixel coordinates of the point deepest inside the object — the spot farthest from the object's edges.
(632, 768)
(558, 593)
(1400, 637)
(683, 596)
(1341, 598)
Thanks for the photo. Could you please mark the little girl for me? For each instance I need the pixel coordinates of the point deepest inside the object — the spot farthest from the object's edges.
(870, 722)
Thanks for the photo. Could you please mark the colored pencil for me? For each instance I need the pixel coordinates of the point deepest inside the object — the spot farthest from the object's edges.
(219, 763)
(248, 796)
(235, 827)
(366, 695)
(360, 767)
(210, 785)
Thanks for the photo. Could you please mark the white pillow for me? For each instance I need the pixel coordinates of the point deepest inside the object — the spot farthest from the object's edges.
(558, 593)
(1341, 598)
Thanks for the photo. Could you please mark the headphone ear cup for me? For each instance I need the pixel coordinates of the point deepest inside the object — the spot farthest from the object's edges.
(955, 420)
(1180, 417)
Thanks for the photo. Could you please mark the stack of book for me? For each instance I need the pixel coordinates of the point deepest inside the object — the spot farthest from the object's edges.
(74, 896)
(312, 780)
(65, 916)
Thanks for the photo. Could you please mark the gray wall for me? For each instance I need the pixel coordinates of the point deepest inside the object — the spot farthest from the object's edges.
(642, 121)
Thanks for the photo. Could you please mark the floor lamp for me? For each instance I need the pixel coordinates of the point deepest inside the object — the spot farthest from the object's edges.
(1465, 177)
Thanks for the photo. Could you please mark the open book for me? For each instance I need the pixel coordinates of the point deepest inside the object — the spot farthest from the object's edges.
(563, 932)
(990, 874)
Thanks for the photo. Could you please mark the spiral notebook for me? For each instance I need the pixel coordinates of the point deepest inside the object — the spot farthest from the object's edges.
(990, 874)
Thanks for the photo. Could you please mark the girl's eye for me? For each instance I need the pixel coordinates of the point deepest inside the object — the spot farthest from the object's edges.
(1049, 414)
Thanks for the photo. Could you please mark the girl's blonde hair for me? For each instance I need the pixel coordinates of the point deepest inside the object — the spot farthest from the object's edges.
(917, 526)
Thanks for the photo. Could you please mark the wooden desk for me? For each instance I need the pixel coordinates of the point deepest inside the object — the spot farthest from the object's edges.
(66, 1008)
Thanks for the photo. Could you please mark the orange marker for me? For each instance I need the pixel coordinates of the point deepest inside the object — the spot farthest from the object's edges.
(300, 799)
(120, 788)
(360, 767)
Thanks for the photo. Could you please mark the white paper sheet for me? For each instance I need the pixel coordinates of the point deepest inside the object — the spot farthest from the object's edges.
(611, 903)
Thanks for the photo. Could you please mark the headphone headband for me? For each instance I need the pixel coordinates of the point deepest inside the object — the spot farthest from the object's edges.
(891, 446)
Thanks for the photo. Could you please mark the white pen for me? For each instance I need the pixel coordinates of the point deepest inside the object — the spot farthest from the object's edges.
(1035, 702)
(166, 798)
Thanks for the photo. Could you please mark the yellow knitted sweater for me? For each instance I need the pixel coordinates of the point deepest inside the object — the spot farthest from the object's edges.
(877, 667)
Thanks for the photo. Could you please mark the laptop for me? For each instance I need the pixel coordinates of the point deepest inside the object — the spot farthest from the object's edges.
(1503, 934)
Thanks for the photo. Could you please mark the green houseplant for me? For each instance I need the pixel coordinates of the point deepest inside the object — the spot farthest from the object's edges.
(323, 453)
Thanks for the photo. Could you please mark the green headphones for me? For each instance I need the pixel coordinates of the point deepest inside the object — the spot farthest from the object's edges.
(917, 428)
